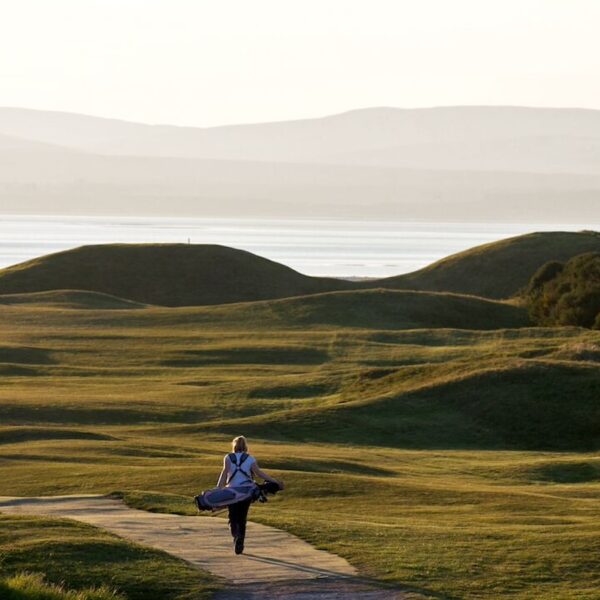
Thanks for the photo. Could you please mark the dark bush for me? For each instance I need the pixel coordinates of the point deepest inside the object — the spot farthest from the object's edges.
(566, 294)
(544, 274)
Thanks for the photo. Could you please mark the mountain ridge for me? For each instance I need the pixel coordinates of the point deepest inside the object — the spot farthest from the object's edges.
(436, 164)
(307, 139)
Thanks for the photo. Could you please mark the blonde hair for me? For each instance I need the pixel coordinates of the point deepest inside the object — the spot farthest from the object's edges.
(239, 444)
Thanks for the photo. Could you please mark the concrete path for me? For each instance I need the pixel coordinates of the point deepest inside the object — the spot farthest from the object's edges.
(271, 555)
(316, 589)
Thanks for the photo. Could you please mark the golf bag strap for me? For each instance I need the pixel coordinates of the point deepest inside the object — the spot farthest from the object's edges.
(238, 466)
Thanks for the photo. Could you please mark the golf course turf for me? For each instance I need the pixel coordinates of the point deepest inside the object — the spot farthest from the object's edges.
(435, 440)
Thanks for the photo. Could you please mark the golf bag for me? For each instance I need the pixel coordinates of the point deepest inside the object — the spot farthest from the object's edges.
(219, 498)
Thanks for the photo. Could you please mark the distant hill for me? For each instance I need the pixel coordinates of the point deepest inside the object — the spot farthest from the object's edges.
(164, 274)
(447, 163)
(496, 270)
(10, 143)
(72, 130)
(194, 275)
(465, 138)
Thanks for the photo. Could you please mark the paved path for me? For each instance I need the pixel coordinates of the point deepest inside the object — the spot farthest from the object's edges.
(271, 555)
(317, 589)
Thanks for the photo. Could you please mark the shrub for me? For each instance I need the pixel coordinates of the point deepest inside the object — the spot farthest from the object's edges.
(566, 294)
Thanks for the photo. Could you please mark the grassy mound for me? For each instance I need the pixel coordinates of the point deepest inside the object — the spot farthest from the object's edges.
(194, 275)
(517, 405)
(10, 435)
(164, 274)
(358, 309)
(572, 471)
(85, 559)
(397, 309)
(76, 299)
(500, 269)
(364, 309)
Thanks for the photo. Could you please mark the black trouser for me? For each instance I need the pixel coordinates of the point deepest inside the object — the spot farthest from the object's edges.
(238, 514)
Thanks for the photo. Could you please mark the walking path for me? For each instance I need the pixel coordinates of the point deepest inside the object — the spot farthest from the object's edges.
(271, 555)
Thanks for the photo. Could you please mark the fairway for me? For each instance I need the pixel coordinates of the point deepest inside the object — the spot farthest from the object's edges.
(428, 458)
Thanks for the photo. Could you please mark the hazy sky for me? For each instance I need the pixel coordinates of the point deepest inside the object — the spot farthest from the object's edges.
(210, 62)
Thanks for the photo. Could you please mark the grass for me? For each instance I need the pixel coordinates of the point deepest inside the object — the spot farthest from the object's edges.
(461, 463)
(500, 269)
(518, 405)
(192, 275)
(465, 525)
(94, 564)
(32, 586)
(164, 274)
(70, 299)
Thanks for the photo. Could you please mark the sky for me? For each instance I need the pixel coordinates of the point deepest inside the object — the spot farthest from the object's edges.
(207, 62)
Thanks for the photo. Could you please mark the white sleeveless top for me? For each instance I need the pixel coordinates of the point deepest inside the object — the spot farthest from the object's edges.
(239, 478)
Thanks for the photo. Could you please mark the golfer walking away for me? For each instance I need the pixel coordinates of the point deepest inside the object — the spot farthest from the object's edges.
(240, 468)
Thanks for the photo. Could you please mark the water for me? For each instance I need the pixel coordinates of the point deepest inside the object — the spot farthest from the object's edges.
(315, 247)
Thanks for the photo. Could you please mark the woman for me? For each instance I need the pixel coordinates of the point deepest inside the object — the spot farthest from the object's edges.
(239, 468)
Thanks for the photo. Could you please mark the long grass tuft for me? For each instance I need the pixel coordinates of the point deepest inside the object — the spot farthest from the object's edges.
(33, 586)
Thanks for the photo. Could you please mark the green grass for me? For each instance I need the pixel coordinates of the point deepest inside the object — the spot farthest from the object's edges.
(457, 462)
(81, 557)
(467, 525)
(516, 405)
(192, 275)
(77, 299)
(32, 586)
(376, 309)
(500, 269)
(163, 274)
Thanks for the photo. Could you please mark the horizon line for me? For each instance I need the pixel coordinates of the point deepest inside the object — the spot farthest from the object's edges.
(307, 118)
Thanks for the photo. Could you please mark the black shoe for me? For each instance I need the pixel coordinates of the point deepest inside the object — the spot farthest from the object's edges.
(239, 545)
